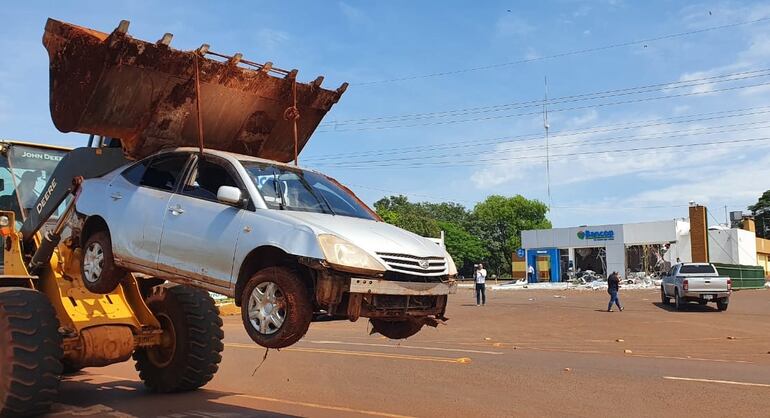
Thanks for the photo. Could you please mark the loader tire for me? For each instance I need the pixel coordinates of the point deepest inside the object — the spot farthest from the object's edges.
(30, 353)
(191, 347)
(396, 330)
(100, 273)
(282, 315)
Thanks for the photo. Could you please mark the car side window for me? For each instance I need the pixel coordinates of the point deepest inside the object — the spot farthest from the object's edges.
(135, 173)
(164, 172)
(206, 179)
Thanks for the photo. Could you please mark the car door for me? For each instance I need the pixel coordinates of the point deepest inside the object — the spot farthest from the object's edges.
(200, 233)
(670, 281)
(138, 199)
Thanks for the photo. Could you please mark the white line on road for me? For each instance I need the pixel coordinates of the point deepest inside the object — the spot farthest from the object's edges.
(723, 382)
(412, 347)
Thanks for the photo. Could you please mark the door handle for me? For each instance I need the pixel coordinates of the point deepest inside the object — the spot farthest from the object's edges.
(176, 210)
(116, 196)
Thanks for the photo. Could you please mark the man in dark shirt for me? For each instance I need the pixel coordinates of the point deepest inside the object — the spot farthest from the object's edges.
(613, 286)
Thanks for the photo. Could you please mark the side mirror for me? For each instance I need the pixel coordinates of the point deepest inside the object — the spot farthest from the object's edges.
(230, 195)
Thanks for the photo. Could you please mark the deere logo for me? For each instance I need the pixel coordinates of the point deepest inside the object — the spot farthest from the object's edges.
(607, 235)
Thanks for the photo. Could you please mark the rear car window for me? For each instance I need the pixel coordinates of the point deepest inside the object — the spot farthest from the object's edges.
(696, 269)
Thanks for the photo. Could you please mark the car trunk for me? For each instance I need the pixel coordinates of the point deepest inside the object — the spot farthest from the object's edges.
(706, 284)
(148, 95)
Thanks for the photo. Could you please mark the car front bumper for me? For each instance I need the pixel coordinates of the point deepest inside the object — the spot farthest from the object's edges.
(389, 287)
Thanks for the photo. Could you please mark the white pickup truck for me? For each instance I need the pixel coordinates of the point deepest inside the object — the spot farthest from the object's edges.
(695, 282)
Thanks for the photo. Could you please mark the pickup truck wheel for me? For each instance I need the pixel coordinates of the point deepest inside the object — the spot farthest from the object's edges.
(30, 353)
(276, 308)
(191, 346)
(100, 273)
(663, 298)
(396, 330)
(678, 302)
(722, 304)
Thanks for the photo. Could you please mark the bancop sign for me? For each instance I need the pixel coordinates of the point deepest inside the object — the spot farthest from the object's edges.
(607, 235)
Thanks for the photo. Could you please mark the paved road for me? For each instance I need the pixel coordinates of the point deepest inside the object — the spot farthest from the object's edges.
(527, 353)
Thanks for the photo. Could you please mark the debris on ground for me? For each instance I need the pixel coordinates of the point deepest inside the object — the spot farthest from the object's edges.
(730, 337)
(567, 369)
(619, 340)
(487, 339)
(627, 351)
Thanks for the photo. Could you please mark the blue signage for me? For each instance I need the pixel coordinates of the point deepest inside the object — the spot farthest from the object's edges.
(520, 253)
(607, 235)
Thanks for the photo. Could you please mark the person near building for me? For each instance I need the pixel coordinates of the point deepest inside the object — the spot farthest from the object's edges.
(613, 286)
(481, 280)
(530, 274)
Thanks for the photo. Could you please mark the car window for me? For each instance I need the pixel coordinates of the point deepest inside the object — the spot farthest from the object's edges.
(135, 173)
(206, 179)
(696, 269)
(164, 171)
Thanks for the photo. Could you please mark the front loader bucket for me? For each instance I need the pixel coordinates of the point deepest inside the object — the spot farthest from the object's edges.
(145, 94)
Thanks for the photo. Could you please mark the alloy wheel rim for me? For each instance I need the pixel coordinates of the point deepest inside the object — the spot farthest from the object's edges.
(267, 308)
(93, 262)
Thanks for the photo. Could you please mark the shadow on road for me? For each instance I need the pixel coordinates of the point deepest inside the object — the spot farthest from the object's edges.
(85, 395)
(688, 307)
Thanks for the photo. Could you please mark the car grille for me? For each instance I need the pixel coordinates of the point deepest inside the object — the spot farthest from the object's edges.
(413, 265)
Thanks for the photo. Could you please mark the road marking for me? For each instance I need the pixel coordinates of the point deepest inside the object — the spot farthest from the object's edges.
(716, 360)
(412, 347)
(723, 382)
(461, 360)
(319, 406)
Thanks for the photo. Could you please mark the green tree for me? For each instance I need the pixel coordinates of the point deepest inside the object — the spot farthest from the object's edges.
(500, 221)
(465, 248)
(761, 212)
(396, 210)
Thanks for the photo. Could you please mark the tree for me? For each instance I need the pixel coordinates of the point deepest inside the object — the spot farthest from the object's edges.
(500, 221)
(761, 212)
(465, 248)
(396, 210)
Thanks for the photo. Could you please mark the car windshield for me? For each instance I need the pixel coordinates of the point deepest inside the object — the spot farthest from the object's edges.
(295, 189)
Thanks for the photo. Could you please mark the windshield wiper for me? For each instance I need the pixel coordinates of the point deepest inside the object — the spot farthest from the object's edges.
(278, 190)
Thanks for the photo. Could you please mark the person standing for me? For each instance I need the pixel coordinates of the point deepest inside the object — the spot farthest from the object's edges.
(530, 274)
(613, 286)
(481, 280)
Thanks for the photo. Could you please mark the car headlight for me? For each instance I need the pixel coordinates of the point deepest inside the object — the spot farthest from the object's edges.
(347, 257)
(452, 267)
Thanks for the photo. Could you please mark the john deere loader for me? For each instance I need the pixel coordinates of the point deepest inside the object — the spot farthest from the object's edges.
(135, 97)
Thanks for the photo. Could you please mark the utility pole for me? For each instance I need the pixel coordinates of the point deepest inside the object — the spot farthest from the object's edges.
(727, 219)
(547, 151)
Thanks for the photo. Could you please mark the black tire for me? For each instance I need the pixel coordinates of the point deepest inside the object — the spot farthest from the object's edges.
(291, 298)
(100, 274)
(69, 368)
(396, 330)
(30, 353)
(722, 304)
(678, 302)
(663, 298)
(192, 347)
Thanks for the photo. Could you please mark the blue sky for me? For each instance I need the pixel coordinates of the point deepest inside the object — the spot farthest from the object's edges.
(488, 142)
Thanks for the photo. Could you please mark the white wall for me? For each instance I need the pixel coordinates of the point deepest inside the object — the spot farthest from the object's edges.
(642, 233)
(732, 246)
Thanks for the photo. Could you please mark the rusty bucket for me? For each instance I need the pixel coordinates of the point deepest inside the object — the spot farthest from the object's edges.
(147, 94)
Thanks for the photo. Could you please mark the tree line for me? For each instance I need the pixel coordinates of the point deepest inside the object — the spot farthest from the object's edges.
(488, 234)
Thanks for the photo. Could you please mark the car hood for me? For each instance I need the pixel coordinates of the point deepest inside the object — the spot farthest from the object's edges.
(371, 236)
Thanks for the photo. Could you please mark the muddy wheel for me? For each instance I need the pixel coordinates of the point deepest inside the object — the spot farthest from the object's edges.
(276, 308)
(663, 298)
(30, 353)
(396, 330)
(98, 268)
(722, 304)
(191, 347)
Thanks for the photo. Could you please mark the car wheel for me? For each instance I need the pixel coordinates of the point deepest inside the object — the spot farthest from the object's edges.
(276, 308)
(396, 330)
(663, 298)
(678, 302)
(100, 273)
(722, 304)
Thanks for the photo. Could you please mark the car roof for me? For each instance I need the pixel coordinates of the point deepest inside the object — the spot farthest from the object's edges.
(235, 156)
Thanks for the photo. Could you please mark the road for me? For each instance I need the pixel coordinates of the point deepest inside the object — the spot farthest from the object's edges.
(527, 353)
